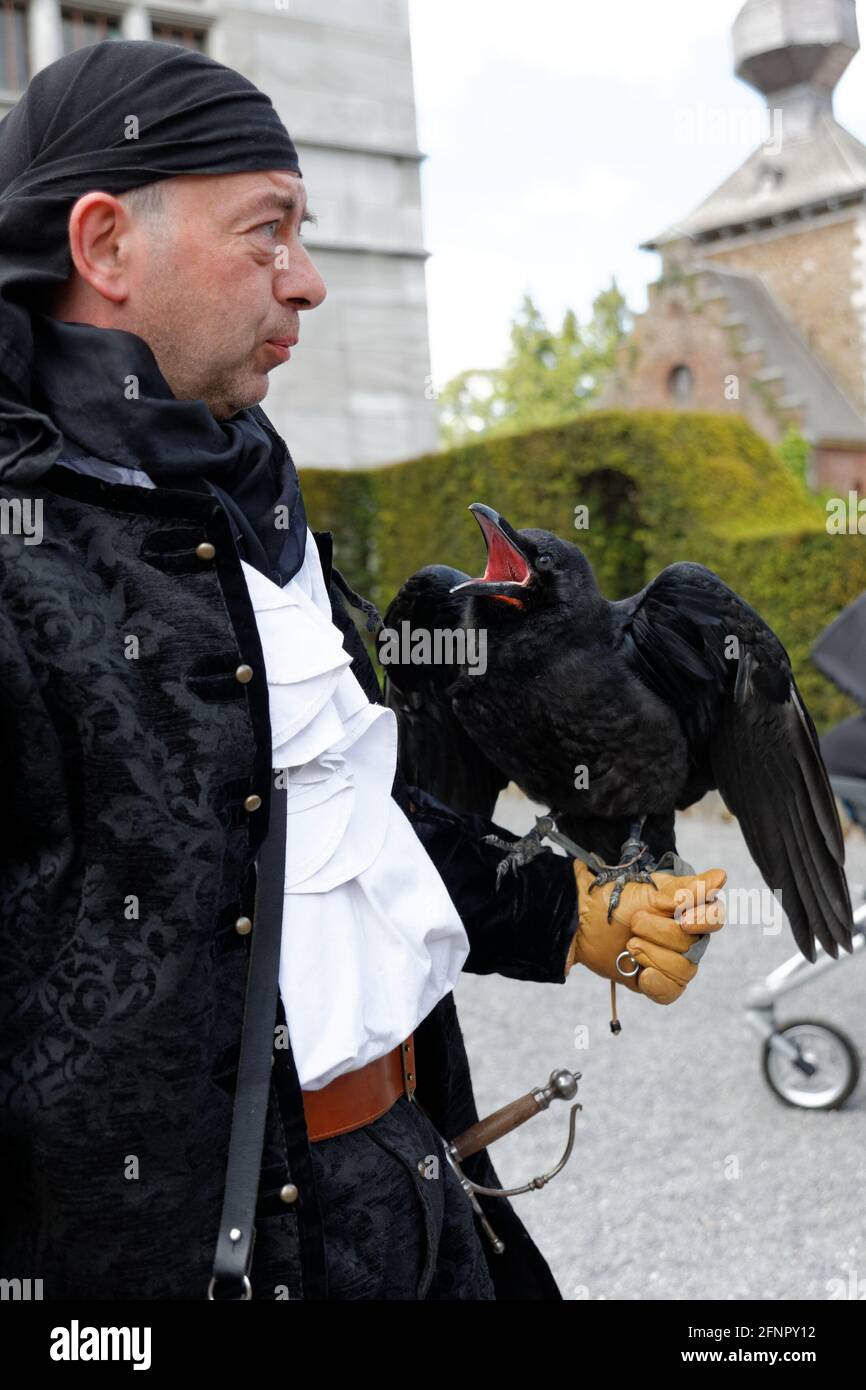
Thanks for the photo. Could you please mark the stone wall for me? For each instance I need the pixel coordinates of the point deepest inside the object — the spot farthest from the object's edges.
(680, 326)
(815, 273)
(841, 469)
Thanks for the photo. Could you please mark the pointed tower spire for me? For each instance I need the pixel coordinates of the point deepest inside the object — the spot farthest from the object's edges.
(794, 52)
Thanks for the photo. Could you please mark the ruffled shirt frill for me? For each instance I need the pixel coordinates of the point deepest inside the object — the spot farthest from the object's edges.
(371, 939)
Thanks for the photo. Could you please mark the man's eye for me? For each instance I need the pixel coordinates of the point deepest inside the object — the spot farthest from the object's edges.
(264, 225)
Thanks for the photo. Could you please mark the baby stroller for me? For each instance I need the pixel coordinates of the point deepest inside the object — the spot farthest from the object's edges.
(807, 1062)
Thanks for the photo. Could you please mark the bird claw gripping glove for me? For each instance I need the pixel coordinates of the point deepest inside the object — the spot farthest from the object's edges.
(644, 927)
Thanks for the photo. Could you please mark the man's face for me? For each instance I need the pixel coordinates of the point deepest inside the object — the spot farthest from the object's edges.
(217, 278)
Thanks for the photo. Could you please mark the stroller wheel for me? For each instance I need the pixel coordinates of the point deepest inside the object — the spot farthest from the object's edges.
(826, 1072)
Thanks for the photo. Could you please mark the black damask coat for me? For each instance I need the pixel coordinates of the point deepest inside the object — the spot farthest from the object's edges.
(128, 750)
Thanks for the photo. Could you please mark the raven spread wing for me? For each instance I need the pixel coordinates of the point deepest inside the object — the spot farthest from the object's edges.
(435, 752)
(708, 654)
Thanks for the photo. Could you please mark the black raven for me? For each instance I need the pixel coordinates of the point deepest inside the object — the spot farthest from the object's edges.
(615, 715)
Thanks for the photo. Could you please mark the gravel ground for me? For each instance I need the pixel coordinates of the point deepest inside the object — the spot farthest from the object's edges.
(689, 1179)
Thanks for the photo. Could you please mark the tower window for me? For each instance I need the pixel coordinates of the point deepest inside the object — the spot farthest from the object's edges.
(183, 34)
(13, 47)
(680, 382)
(84, 27)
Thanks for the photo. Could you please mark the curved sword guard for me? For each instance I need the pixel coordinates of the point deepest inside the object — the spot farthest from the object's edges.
(562, 1086)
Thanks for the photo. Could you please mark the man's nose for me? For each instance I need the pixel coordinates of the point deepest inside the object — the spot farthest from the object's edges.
(300, 282)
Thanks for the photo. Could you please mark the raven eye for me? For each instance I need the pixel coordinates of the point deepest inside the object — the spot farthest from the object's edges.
(544, 562)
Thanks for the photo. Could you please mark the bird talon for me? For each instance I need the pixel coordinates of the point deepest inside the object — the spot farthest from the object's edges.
(496, 840)
(632, 869)
(615, 896)
(519, 852)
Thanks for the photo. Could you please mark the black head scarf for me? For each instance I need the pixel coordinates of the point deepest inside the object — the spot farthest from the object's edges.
(69, 134)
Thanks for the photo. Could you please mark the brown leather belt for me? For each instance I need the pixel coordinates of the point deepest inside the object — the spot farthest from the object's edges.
(359, 1097)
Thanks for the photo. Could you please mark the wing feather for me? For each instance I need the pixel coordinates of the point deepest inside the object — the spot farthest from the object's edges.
(711, 656)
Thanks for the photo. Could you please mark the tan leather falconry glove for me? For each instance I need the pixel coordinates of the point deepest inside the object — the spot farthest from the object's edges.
(643, 924)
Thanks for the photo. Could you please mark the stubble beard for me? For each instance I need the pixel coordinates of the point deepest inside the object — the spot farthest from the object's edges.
(225, 390)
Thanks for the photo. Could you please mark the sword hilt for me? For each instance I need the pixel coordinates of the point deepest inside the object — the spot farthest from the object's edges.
(561, 1086)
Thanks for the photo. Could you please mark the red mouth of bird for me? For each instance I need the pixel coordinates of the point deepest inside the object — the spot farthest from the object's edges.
(505, 564)
(507, 567)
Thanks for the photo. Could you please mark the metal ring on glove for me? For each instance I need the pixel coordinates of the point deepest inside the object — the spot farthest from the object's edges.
(627, 973)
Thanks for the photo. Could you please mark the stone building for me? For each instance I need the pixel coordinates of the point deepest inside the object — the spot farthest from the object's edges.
(339, 72)
(761, 303)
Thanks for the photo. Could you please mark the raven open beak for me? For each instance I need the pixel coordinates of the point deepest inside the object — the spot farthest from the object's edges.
(508, 570)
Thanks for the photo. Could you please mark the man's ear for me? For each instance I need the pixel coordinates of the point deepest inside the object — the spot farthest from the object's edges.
(99, 228)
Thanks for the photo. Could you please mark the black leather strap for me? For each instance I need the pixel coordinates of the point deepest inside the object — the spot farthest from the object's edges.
(234, 1250)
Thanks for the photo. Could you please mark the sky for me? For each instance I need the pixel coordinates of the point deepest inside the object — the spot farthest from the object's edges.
(560, 134)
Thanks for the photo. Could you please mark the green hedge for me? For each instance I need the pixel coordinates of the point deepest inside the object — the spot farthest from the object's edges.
(660, 486)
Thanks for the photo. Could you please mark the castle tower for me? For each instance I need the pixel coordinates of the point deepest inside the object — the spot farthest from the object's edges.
(794, 52)
(764, 282)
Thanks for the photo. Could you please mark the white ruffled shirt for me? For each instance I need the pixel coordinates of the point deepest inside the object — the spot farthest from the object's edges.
(371, 939)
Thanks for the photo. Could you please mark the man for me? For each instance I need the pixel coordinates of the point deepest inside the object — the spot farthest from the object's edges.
(166, 644)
